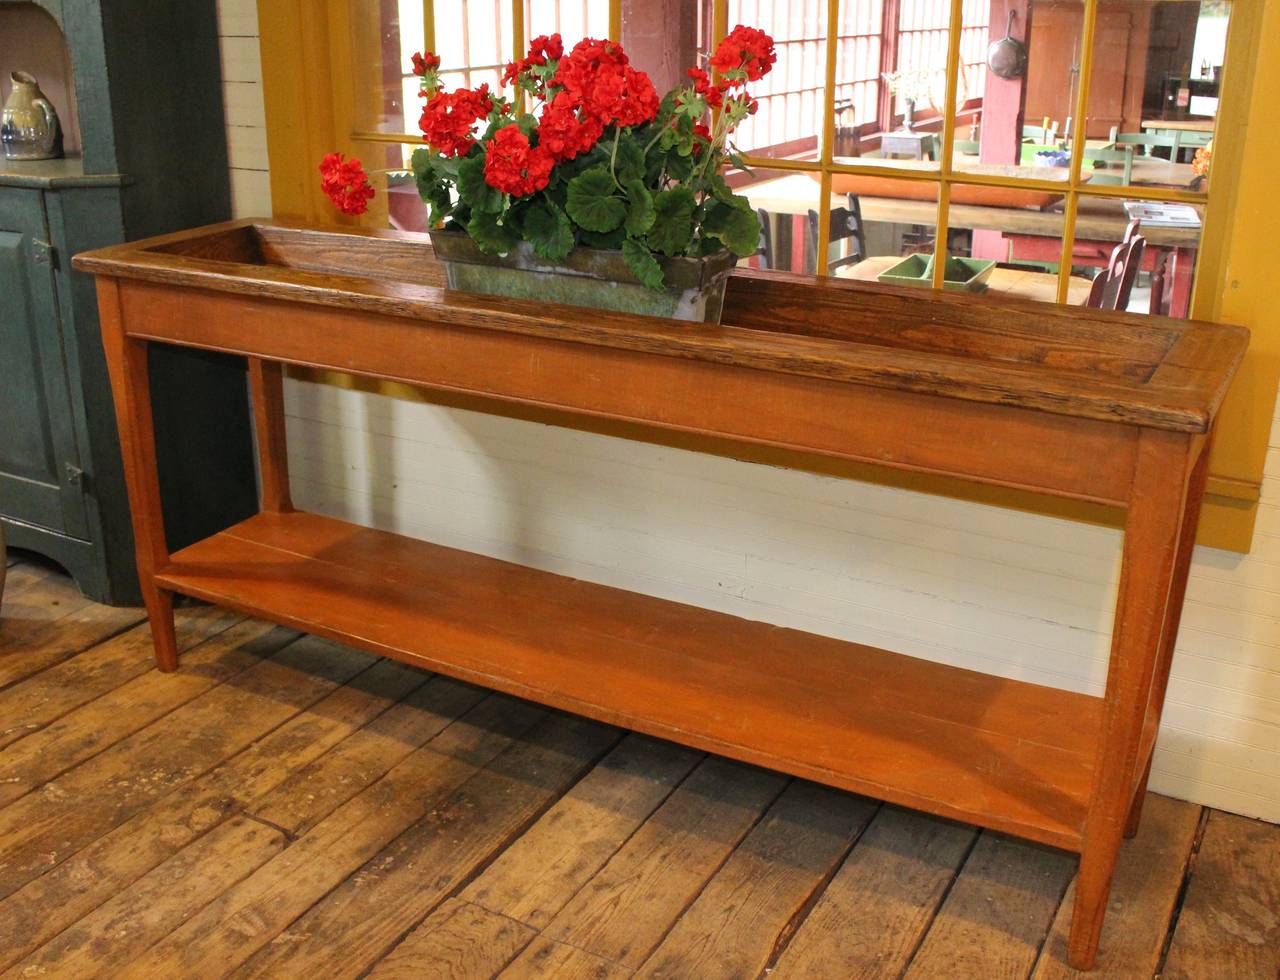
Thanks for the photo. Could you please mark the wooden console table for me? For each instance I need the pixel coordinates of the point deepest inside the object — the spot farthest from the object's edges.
(1074, 403)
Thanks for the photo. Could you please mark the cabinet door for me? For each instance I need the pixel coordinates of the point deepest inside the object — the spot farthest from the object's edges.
(40, 479)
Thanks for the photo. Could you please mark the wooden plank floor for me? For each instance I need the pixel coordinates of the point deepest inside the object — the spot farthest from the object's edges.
(285, 807)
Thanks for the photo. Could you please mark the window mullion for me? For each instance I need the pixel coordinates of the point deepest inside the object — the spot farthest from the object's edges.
(822, 247)
(1078, 139)
(948, 142)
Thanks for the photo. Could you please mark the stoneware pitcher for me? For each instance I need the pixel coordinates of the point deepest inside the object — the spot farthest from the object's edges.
(29, 127)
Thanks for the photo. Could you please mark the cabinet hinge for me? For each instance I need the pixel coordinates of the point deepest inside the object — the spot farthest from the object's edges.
(75, 475)
(44, 253)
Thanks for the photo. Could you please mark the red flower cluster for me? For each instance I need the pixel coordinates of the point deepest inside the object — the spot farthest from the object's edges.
(597, 77)
(565, 131)
(449, 117)
(513, 166)
(745, 49)
(424, 62)
(541, 50)
(345, 183)
(712, 92)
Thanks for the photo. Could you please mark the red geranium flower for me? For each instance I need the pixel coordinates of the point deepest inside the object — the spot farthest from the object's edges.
(423, 62)
(345, 183)
(702, 84)
(597, 76)
(542, 49)
(745, 49)
(513, 166)
(448, 119)
(564, 132)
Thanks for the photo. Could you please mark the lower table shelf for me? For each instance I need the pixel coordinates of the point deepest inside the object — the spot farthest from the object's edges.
(1000, 753)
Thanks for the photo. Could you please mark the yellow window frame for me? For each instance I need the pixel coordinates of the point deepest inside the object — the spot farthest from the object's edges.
(306, 42)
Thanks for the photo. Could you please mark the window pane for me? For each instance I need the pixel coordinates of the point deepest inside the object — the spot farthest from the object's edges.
(571, 19)
(1153, 99)
(789, 121)
(787, 204)
(891, 78)
(385, 92)
(1170, 240)
(1014, 247)
(1016, 127)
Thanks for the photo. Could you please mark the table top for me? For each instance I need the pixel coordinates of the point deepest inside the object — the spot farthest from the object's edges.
(1187, 125)
(1113, 367)
(1098, 219)
(1041, 287)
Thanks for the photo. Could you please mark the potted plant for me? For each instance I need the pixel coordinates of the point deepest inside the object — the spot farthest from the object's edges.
(582, 186)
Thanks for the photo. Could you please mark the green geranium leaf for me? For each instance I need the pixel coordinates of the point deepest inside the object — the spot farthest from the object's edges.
(432, 188)
(673, 227)
(548, 230)
(640, 210)
(473, 189)
(735, 224)
(490, 234)
(719, 189)
(630, 159)
(641, 261)
(591, 201)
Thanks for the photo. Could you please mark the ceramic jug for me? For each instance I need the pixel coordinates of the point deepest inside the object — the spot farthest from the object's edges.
(29, 127)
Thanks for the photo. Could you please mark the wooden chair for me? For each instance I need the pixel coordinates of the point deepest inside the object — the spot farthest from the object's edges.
(846, 225)
(1159, 285)
(1111, 155)
(1112, 286)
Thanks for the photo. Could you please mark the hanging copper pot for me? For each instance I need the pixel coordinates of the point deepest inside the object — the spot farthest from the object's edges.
(1007, 57)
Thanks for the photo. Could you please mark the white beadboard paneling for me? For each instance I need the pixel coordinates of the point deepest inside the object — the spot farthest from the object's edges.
(247, 148)
(242, 104)
(241, 59)
(1014, 594)
(250, 194)
(238, 18)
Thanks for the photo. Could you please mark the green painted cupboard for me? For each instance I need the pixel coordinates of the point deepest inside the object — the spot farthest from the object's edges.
(138, 85)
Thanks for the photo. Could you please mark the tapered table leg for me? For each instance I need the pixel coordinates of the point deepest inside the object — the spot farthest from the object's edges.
(266, 385)
(1155, 518)
(1172, 620)
(131, 391)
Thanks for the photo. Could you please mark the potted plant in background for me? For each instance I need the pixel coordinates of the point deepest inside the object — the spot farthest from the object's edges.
(582, 186)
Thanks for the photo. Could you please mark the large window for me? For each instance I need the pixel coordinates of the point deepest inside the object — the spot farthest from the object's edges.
(887, 110)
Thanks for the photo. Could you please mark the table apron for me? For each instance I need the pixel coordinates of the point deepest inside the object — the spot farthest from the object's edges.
(987, 443)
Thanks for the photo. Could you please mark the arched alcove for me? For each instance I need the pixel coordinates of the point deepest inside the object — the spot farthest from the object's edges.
(32, 41)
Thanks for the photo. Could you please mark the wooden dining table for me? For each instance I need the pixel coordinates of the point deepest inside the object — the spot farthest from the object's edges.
(1020, 283)
(1032, 235)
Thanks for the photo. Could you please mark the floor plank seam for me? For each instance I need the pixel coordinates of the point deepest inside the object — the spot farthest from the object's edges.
(41, 726)
(1188, 869)
(792, 926)
(36, 787)
(493, 854)
(710, 876)
(107, 899)
(193, 777)
(6, 685)
(1042, 948)
(626, 838)
(923, 934)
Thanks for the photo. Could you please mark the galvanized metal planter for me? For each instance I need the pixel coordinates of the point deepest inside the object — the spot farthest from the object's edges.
(589, 277)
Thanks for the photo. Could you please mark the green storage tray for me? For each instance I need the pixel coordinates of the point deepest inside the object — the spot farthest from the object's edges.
(970, 275)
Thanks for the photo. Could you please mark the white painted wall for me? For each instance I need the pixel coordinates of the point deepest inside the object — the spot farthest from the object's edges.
(243, 107)
(995, 590)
